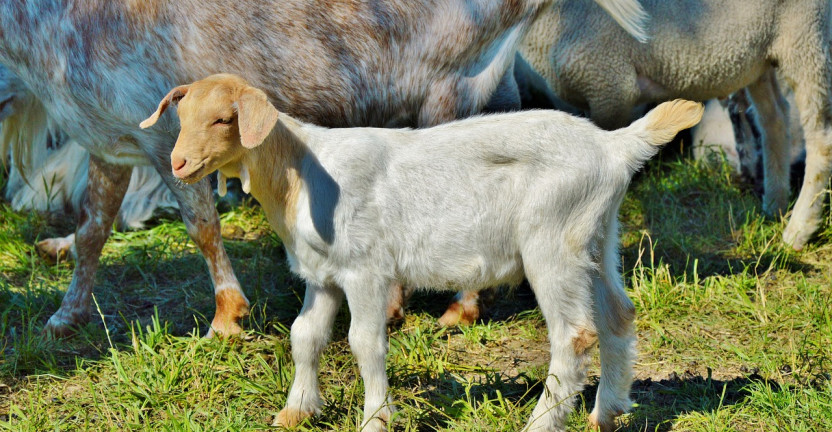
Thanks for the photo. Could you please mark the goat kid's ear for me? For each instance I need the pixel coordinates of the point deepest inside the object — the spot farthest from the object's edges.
(173, 97)
(256, 117)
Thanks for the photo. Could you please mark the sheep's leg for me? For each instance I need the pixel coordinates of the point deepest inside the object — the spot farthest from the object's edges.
(106, 186)
(614, 315)
(310, 334)
(367, 299)
(506, 97)
(808, 70)
(561, 284)
(773, 119)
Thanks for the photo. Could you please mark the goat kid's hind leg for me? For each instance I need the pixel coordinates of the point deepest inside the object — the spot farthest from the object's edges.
(561, 284)
(196, 204)
(367, 297)
(106, 186)
(614, 315)
(310, 334)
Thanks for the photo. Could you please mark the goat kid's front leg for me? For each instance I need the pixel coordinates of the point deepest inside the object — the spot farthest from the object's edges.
(106, 186)
(367, 298)
(310, 334)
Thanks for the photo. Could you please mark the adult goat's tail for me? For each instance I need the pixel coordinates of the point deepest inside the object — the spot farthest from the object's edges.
(629, 15)
(642, 139)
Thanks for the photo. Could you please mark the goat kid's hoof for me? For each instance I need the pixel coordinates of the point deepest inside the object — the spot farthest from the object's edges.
(289, 418)
(459, 314)
(603, 425)
(56, 249)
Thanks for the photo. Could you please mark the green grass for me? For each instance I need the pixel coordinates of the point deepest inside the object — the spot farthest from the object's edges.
(735, 330)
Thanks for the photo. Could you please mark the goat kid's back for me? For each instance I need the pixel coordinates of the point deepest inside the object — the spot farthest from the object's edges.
(503, 182)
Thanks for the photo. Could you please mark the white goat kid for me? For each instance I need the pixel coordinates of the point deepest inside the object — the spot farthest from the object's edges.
(532, 194)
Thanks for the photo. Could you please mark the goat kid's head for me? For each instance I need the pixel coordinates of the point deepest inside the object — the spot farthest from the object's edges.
(219, 116)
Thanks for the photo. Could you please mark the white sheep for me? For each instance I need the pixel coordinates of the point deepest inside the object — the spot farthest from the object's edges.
(701, 49)
(731, 128)
(466, 205)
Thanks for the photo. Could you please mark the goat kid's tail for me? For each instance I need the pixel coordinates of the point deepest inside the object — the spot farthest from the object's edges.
(658, 128)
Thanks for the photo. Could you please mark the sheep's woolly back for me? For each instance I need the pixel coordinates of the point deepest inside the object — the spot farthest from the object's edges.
(629, 14)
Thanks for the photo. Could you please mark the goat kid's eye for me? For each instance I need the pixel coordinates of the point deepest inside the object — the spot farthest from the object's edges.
(224, 121)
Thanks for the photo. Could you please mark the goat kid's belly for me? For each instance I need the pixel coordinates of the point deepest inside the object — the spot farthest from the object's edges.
(452, 257)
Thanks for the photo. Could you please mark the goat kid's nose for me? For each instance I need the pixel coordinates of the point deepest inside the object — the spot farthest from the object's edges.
(177, 162)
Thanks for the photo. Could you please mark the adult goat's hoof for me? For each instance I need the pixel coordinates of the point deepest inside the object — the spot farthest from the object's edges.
(459, 313)
(232, 307)
(56, 249)
(62, 325)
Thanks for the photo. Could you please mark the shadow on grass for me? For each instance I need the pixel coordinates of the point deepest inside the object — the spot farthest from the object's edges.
(660, 403)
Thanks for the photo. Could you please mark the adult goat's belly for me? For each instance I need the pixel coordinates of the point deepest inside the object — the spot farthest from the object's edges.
(120, 152)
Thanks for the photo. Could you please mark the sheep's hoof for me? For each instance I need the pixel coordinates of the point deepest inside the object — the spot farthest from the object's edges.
(459, 314)
(795, 237)
(56, 249)
(289, 418)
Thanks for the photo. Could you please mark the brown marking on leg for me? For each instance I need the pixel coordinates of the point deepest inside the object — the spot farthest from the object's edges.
(231, 307)
(290, 418)
(463, 311)
(202, 221)
(395, 305)
(106, 186)
(585, 340)
(623, 314)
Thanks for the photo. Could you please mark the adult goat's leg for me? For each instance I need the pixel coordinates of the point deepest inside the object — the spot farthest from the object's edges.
(196, 204)
(106, 186)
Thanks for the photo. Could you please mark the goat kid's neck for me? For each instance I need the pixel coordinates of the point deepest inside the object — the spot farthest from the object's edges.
(271, 172)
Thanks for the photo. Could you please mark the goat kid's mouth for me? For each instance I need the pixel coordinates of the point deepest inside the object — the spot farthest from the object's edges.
(191, 173)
